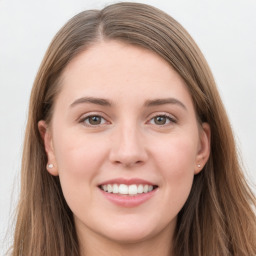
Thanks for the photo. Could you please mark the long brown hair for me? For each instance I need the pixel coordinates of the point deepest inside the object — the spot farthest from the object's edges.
(218, 217)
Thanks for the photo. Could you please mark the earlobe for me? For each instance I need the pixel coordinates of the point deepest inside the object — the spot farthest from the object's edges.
(52, 169)
(204, 147)
(46, 136)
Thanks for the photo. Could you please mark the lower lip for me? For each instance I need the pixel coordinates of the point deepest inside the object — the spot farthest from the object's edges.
(129, 201)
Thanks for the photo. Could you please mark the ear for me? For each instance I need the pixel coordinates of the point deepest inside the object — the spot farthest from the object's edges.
(46, 136)
(204, 147)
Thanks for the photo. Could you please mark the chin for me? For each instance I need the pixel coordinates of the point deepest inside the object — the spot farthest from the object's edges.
(130, 232)
(129, 236)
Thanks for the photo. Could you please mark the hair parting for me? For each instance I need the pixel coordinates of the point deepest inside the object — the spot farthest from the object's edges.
(218, 217)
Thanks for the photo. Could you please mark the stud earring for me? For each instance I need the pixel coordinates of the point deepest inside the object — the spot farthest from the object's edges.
(50, 166)
(199, 165)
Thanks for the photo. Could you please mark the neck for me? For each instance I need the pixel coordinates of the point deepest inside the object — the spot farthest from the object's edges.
(93, 244)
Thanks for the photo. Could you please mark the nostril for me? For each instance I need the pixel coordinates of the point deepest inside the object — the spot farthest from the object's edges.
(128, 163)
(131, 164)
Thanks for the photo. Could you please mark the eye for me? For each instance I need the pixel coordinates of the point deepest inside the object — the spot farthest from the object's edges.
(94, 120)
(162, 120)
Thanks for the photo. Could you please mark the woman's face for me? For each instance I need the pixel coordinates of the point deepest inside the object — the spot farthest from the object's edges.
(124, 124)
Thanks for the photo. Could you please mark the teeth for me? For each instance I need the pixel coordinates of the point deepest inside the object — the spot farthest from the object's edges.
(140, 189)
(133, 190)
(123, 189)
(145, 189)
(110, 189)
(127, 189)
(115, 188)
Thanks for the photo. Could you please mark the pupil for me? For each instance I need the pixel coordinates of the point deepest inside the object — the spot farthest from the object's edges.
(160, 120)
(94, 120)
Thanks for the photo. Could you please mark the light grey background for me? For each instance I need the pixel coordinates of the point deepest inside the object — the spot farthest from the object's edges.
(225, 30)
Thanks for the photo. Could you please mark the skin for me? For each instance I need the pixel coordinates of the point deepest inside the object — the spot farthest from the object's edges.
(128, 142)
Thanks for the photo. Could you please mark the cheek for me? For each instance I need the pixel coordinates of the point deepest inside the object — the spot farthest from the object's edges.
(79, 160)
(78, 155)
(177, 155)
(176, 162)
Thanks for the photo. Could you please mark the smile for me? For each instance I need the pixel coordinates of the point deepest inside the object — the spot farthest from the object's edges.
(123, 189)
(128, 192)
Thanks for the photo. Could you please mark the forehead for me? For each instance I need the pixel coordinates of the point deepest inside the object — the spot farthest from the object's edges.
(121, 71)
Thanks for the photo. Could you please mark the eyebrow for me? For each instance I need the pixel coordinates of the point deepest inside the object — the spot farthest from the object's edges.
(148, 103)
(92, 100)
(159, 102)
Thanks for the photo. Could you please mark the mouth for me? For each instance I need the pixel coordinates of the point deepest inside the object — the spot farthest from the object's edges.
(124, 189)
(128, 192)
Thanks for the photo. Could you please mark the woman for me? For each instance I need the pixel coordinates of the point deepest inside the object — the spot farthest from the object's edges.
(128, 149)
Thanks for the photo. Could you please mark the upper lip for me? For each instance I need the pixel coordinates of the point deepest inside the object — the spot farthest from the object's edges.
(136, 181)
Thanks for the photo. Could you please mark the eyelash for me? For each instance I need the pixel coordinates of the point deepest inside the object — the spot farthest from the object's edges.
(170, 118)
(84, 119)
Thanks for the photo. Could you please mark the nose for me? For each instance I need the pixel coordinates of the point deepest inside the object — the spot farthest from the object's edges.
(128, 148)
